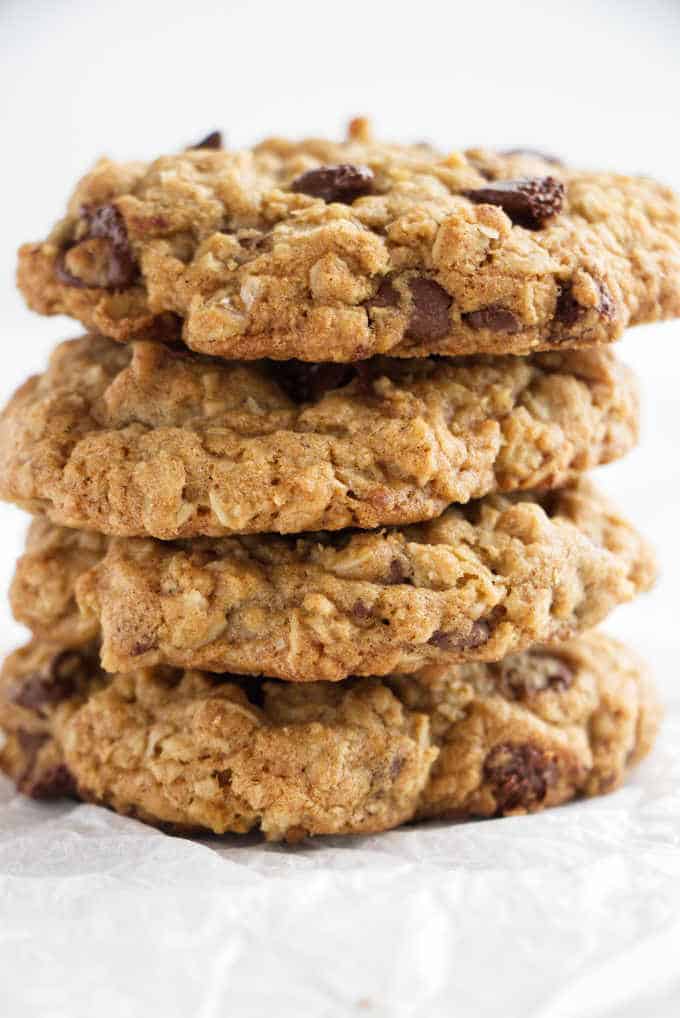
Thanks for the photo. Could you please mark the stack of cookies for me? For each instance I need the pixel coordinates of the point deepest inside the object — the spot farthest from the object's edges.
(313, 550)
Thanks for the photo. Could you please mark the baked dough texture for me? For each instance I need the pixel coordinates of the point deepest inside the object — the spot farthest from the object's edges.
(198, 751)
(143, 440)
(481, 582)
(329, 251)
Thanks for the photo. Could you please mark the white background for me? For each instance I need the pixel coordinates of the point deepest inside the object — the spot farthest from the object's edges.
(595, 82)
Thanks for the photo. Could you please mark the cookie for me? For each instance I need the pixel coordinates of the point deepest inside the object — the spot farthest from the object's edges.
(141, 440)
(199, 751)
(480, 582)
(336, 252)
(42, 593)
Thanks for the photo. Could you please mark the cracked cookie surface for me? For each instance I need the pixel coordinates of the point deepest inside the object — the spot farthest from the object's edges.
(197, 751)
(478, 583)
(329, 251)
(141, 439)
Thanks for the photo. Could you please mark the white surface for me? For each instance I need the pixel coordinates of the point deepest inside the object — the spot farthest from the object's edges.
(574, 913)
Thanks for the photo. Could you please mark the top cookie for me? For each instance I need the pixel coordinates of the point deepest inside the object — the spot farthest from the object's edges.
(335, 252)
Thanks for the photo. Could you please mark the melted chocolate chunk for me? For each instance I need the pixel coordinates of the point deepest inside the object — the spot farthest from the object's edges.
(63, 274)
(568, 311)
(430, 318)
(49, 686)
(529, 202)
(306, 382)
(360, 610)
(212, 140)
(224, 778)
(537, 673)
(398, 571)
(30, 743)
(385, 297)
(560, 675)
(54, 783)
(494, 317)
(103, 222)
(344, 183)
(519, 775)
(477, 636)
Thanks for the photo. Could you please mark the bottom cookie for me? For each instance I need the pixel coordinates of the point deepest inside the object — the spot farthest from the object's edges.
(227, 753)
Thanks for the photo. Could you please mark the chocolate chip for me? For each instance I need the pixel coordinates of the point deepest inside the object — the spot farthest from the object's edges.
(529, 202)
(39, 690)
(308, 382)
(430, 319)
(536, 672)
(55, 783)
(398, 571)
(360, 610)
(397, 765)
(477, 635)
(106, 222)
(560, 675)
(63, 274)
(212, 140)
(51, 685)
(385, 296)
(344, 183)
(535, 153)
(30, 743)
(568, 311)
(224, 778)
(494, 317)
(519, 775)
(103, 222)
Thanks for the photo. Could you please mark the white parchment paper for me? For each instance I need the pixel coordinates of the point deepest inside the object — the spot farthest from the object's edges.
(574, 913)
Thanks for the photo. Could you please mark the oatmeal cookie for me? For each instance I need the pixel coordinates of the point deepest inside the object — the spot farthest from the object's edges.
(328, 251)
(480, 582)
(197, 751)
(142, 440)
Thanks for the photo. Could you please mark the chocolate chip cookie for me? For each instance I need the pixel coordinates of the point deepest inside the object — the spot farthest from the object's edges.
(336, 252)
(198, 751)
(146, 440)
(480, 582)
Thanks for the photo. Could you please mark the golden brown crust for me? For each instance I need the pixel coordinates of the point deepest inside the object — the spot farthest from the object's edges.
(257, 264)
(478, 583)
(140, 440)
(193, 751)
(42, 593)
